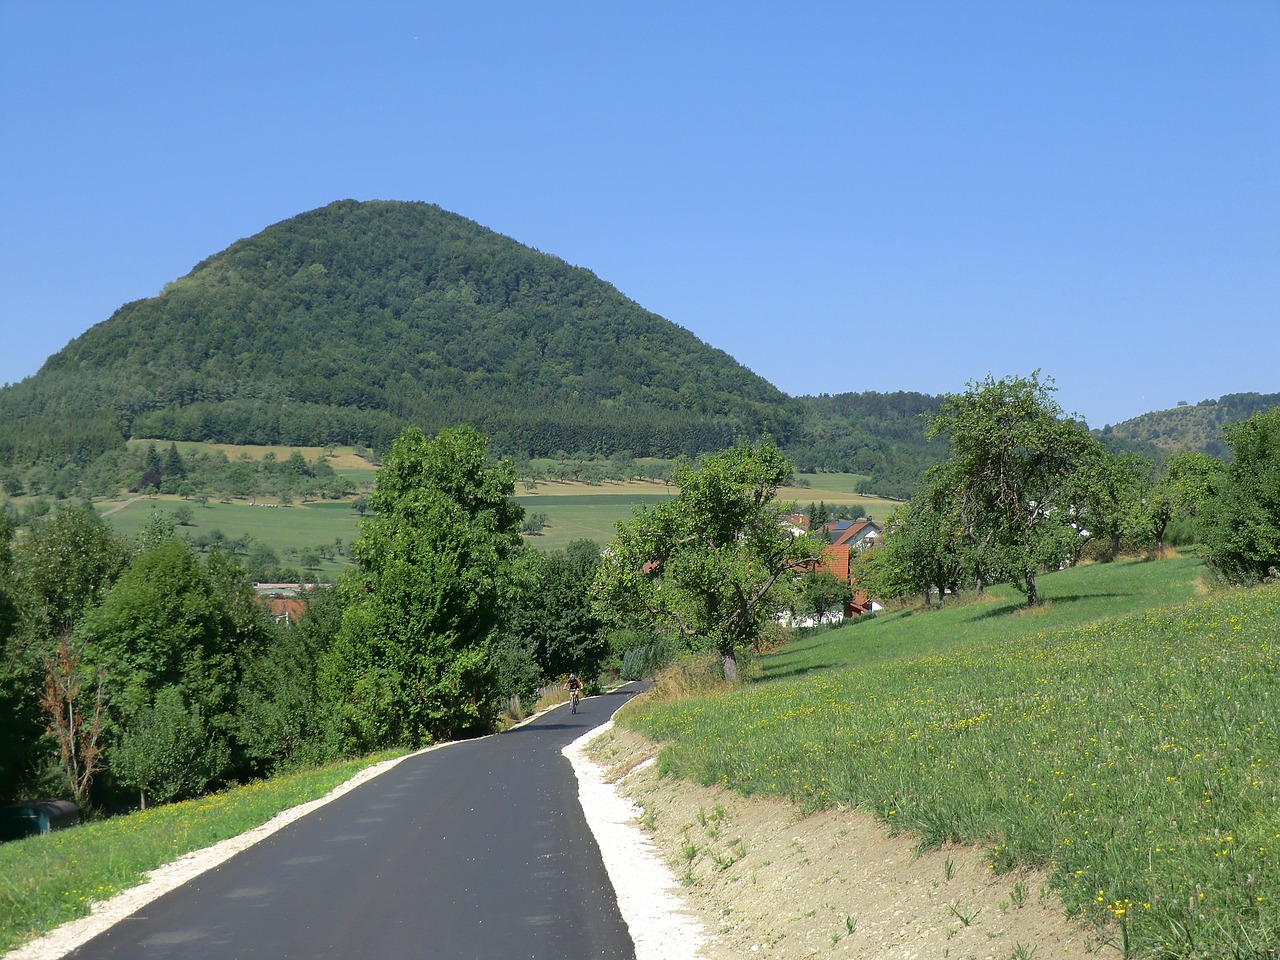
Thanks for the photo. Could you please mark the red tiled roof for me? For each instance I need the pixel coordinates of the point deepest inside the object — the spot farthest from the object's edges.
(835, 561)
(289, 609)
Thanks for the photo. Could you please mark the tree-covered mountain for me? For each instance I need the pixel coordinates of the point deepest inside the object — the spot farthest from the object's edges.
(344, 324)
(881, 435)
(1187, 427)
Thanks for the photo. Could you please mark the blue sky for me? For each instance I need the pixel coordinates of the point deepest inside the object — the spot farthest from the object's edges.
(842, 196)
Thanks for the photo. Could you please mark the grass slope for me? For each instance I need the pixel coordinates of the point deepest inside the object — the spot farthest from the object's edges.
(1125, 740)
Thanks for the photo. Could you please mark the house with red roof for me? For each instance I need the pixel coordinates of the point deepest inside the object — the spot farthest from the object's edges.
(846, 540)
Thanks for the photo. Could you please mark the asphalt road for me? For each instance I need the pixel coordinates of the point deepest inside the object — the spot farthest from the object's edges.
(477, 850)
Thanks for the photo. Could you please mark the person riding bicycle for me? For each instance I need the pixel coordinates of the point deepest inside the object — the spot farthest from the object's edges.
(574, 686)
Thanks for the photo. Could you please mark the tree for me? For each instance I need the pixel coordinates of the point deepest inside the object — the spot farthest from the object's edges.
(922, 549)
(63, 567)
(820, 593)
(1007, 480)
(166, 623)
(552, 611)
(1181, 492)
(715, 565)
(411, 663)
(281, 713)
(167, 753)
(1110, 500)
(1241, 517)
(174, 467)
(74, 724)
(534, 523)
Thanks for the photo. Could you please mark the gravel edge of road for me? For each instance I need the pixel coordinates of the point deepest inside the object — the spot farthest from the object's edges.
(660, 926)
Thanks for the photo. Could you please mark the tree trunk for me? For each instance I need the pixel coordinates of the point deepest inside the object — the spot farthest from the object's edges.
(1033, 598)
(729, 663)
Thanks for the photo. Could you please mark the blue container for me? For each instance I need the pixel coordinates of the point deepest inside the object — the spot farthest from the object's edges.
(32, 817)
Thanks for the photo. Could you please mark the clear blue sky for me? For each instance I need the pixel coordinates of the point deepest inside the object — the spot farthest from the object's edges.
(842, 196)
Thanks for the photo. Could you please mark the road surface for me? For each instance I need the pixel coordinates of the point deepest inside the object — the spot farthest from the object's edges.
(478, 850)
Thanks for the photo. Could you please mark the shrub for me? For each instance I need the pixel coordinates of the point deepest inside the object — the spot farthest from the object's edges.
(644, 661)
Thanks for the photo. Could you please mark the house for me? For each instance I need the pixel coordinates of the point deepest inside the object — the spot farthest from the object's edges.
(858, 535)
(286, 609)
(846, 540)
(283, 600)
(796, 523)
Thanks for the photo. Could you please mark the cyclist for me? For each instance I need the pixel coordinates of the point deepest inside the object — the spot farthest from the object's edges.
(574, 686)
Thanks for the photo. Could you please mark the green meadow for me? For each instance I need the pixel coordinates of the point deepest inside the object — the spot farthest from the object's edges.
(574, 510)
(577, 516)
(1125, 739)
(299, 526)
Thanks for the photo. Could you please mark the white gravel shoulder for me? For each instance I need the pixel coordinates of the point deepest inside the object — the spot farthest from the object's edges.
(646, 889)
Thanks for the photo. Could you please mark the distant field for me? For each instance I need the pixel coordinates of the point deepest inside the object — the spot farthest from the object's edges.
(574, 510)
(341, 459)
(281, 528)
(590, 516)
(839, 488)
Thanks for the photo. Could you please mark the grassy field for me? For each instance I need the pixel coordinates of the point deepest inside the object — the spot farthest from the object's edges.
(1125, 739)
(583, 515)
(301, 527)
(46, 881)
(574, 510)
(578, 510)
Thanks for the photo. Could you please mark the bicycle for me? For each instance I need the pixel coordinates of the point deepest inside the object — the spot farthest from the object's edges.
(573, 700)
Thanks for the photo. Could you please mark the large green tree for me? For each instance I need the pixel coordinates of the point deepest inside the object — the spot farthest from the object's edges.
(714, 566)
(1241, 516)
(282, 715)
(55, 575)
(171, 622)
(553, 613)
(1180, 492)
(922, 550)
(1010, 481)
(412, 661)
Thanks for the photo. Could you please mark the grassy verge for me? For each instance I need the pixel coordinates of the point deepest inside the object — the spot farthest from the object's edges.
(1135, 756)
(48, 880)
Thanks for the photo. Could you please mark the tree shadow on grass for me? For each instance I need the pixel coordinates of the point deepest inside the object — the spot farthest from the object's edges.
(1011, 609)
(799, 670)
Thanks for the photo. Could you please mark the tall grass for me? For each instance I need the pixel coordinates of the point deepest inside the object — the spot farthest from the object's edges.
(1137, 758)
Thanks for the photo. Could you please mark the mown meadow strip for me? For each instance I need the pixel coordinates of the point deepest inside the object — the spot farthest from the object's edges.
(1136, 758)
(47, 880)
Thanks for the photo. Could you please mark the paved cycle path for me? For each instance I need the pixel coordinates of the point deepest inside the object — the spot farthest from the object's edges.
(478, 850)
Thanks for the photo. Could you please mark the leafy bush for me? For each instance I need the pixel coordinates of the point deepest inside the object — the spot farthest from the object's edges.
(168, 753)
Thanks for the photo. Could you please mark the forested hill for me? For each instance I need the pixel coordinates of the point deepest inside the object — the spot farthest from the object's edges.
(344, 324)
(1187, 427)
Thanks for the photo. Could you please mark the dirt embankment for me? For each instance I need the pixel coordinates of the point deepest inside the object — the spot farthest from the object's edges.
(768, 882)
